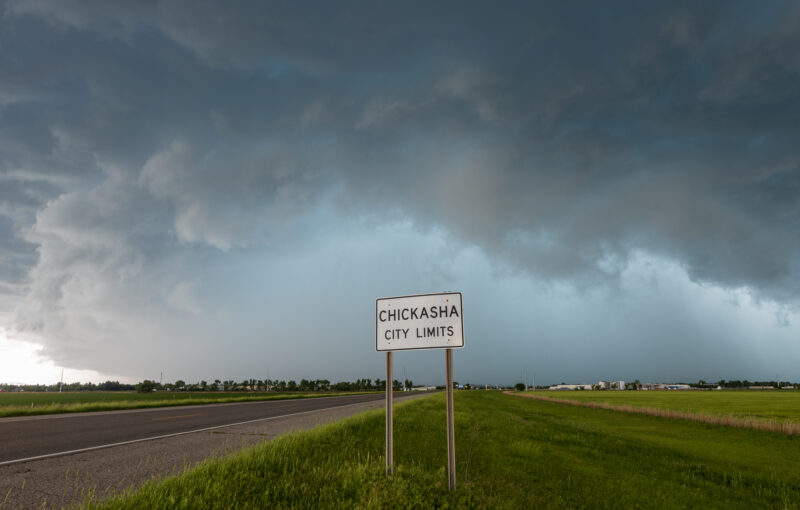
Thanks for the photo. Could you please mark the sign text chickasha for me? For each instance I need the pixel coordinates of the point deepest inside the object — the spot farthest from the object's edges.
(429, 321)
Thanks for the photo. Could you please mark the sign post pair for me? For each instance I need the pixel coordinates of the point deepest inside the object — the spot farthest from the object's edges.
(425, 321)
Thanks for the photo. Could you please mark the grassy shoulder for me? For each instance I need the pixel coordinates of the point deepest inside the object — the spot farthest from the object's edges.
(27, 404)
(511, 453)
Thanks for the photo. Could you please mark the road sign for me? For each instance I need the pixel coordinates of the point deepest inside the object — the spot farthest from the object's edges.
(426, 321)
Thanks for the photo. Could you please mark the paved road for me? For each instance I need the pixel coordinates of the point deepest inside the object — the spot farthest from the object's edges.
(26, 438)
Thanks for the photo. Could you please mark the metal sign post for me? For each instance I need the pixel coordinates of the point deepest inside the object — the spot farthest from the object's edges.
(389, 426)
(451, 429)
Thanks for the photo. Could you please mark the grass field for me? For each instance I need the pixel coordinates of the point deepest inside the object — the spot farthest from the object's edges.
(777, 406)
(30, 403)
(511, 453)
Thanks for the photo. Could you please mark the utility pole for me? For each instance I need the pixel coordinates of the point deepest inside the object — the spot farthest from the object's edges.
(525, 378)
(62, 381)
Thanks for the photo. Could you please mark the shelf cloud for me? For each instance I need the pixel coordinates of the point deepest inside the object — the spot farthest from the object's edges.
(217, 188)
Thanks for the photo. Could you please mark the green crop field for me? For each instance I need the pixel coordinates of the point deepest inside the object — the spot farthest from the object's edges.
(31, 403)
(511, 453)
(774, 405)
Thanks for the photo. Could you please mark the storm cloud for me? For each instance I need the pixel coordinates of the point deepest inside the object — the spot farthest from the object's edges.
(221, 187)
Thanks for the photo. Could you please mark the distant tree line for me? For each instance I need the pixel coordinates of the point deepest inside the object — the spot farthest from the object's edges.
(262, 385)
(736, 383)
(75, 386)
(276, 385)
(304, 385)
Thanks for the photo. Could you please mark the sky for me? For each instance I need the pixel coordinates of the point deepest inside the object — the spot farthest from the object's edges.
(221, 190)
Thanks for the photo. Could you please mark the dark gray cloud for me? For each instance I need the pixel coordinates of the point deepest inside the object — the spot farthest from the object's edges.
(146, 147)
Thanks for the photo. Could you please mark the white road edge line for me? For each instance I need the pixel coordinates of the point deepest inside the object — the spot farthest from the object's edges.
(122, 443)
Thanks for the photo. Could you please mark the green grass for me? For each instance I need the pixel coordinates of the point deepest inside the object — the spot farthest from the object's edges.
(511, 453)
(29, 403)
(775, 405)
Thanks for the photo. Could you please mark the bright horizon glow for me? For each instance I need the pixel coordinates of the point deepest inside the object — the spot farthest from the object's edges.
(22, 363)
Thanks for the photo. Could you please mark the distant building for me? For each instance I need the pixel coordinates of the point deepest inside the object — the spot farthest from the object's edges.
(571, 387)
(653, 386)
(611, 385)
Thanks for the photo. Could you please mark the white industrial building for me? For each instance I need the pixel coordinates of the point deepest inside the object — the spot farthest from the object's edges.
(611, 385)
(571, 387)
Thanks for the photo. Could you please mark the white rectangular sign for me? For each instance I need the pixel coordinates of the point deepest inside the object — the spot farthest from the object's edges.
(428, 321)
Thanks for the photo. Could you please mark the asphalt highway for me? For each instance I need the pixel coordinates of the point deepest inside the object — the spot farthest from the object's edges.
(30, 438)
